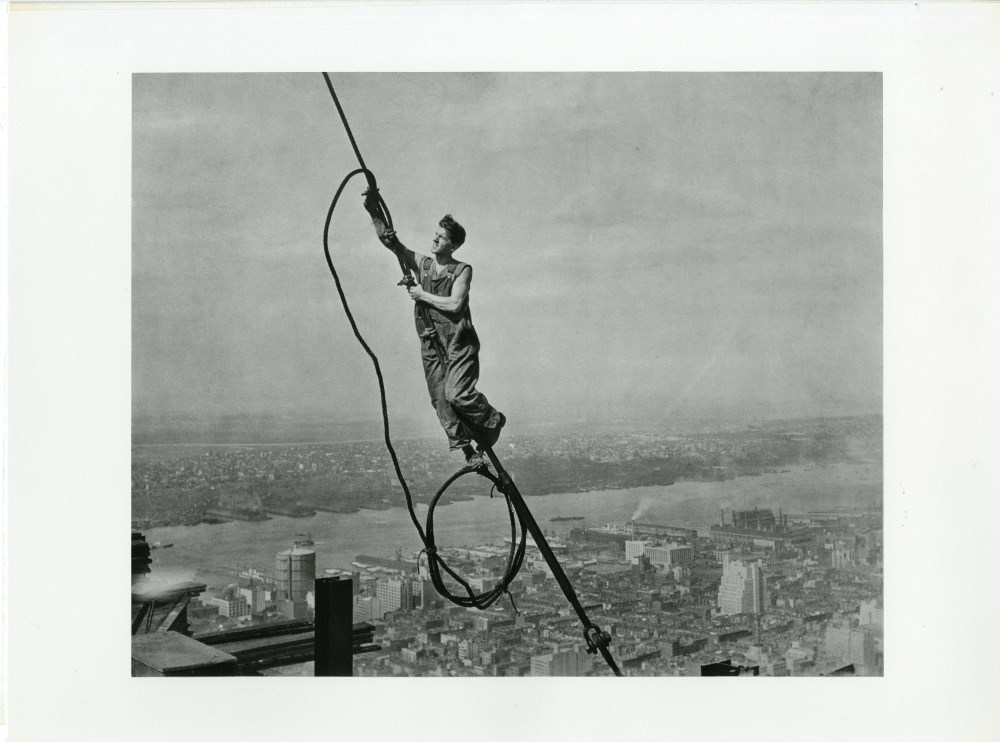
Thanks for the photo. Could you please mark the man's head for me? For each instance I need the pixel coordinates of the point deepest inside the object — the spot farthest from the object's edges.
(449, 236)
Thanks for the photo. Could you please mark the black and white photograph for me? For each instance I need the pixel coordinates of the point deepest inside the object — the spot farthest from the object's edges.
(500, 371)
(665, 420)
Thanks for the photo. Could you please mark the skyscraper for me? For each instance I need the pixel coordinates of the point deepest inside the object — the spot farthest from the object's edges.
(395, 594)
(743, 588)
(256, 596)
(635, 548)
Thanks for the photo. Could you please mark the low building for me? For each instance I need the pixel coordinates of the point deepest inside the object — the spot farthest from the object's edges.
(669, 555)
(368, 608)
(562, 663)
(233, 607)
(853, 645)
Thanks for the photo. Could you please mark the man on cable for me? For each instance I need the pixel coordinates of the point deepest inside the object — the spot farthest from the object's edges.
(449, 345)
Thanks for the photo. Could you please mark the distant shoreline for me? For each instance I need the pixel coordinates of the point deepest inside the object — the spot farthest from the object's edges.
(275, 430)
(455, 498)
(349, 476)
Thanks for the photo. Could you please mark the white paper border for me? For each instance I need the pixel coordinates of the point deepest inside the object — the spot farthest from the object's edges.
(69, 373)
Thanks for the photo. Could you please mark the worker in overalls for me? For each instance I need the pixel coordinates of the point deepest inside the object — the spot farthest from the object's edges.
(449, 345)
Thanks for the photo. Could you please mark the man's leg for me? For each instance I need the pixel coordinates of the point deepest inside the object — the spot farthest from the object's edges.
(436, 374)
(460, 393)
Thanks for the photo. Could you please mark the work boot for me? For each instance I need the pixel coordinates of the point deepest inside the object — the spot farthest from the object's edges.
(493, 435)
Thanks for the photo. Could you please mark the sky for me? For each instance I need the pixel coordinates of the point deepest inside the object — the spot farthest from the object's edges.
(652, 246)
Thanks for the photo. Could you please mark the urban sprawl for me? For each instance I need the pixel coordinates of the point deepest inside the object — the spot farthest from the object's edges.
(761, 592)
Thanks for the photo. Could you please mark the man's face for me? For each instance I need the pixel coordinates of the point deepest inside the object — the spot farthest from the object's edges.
(442, 243)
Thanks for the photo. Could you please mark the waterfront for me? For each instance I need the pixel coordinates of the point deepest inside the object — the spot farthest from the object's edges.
(341, 537)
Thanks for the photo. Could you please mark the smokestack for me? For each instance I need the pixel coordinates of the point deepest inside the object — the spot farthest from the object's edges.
(722, 516)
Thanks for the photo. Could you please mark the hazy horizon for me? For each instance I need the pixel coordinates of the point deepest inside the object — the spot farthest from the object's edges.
(244, 429)
(647, 245)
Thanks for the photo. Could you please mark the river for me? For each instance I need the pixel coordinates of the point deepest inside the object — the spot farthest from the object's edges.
(339, 537)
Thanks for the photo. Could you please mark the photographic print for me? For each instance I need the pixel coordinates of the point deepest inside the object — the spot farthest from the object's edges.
(507, 374)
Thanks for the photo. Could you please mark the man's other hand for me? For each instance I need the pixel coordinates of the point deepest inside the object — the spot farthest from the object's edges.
(415, 292)
(371, 200)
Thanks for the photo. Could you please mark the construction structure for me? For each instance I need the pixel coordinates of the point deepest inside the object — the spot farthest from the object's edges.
(163, 646)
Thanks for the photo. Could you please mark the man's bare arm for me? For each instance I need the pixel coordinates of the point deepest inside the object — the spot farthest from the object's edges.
(388, 236)
(453, 303)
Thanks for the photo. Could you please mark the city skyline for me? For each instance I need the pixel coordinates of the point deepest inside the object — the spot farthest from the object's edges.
(717, 251)
(762, 545)
(803, 615)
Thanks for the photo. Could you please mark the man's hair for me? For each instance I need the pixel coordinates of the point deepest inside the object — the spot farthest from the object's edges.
(456, 232)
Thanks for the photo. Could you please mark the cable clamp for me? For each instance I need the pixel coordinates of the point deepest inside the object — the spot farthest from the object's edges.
(503, 585)
(430, 551)
(504, 484)
(595, 638)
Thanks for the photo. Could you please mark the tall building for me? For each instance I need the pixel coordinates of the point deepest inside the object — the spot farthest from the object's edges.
(257, 597)
(743, 588)
(395, 594)
(870, 613)
(635, 548)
